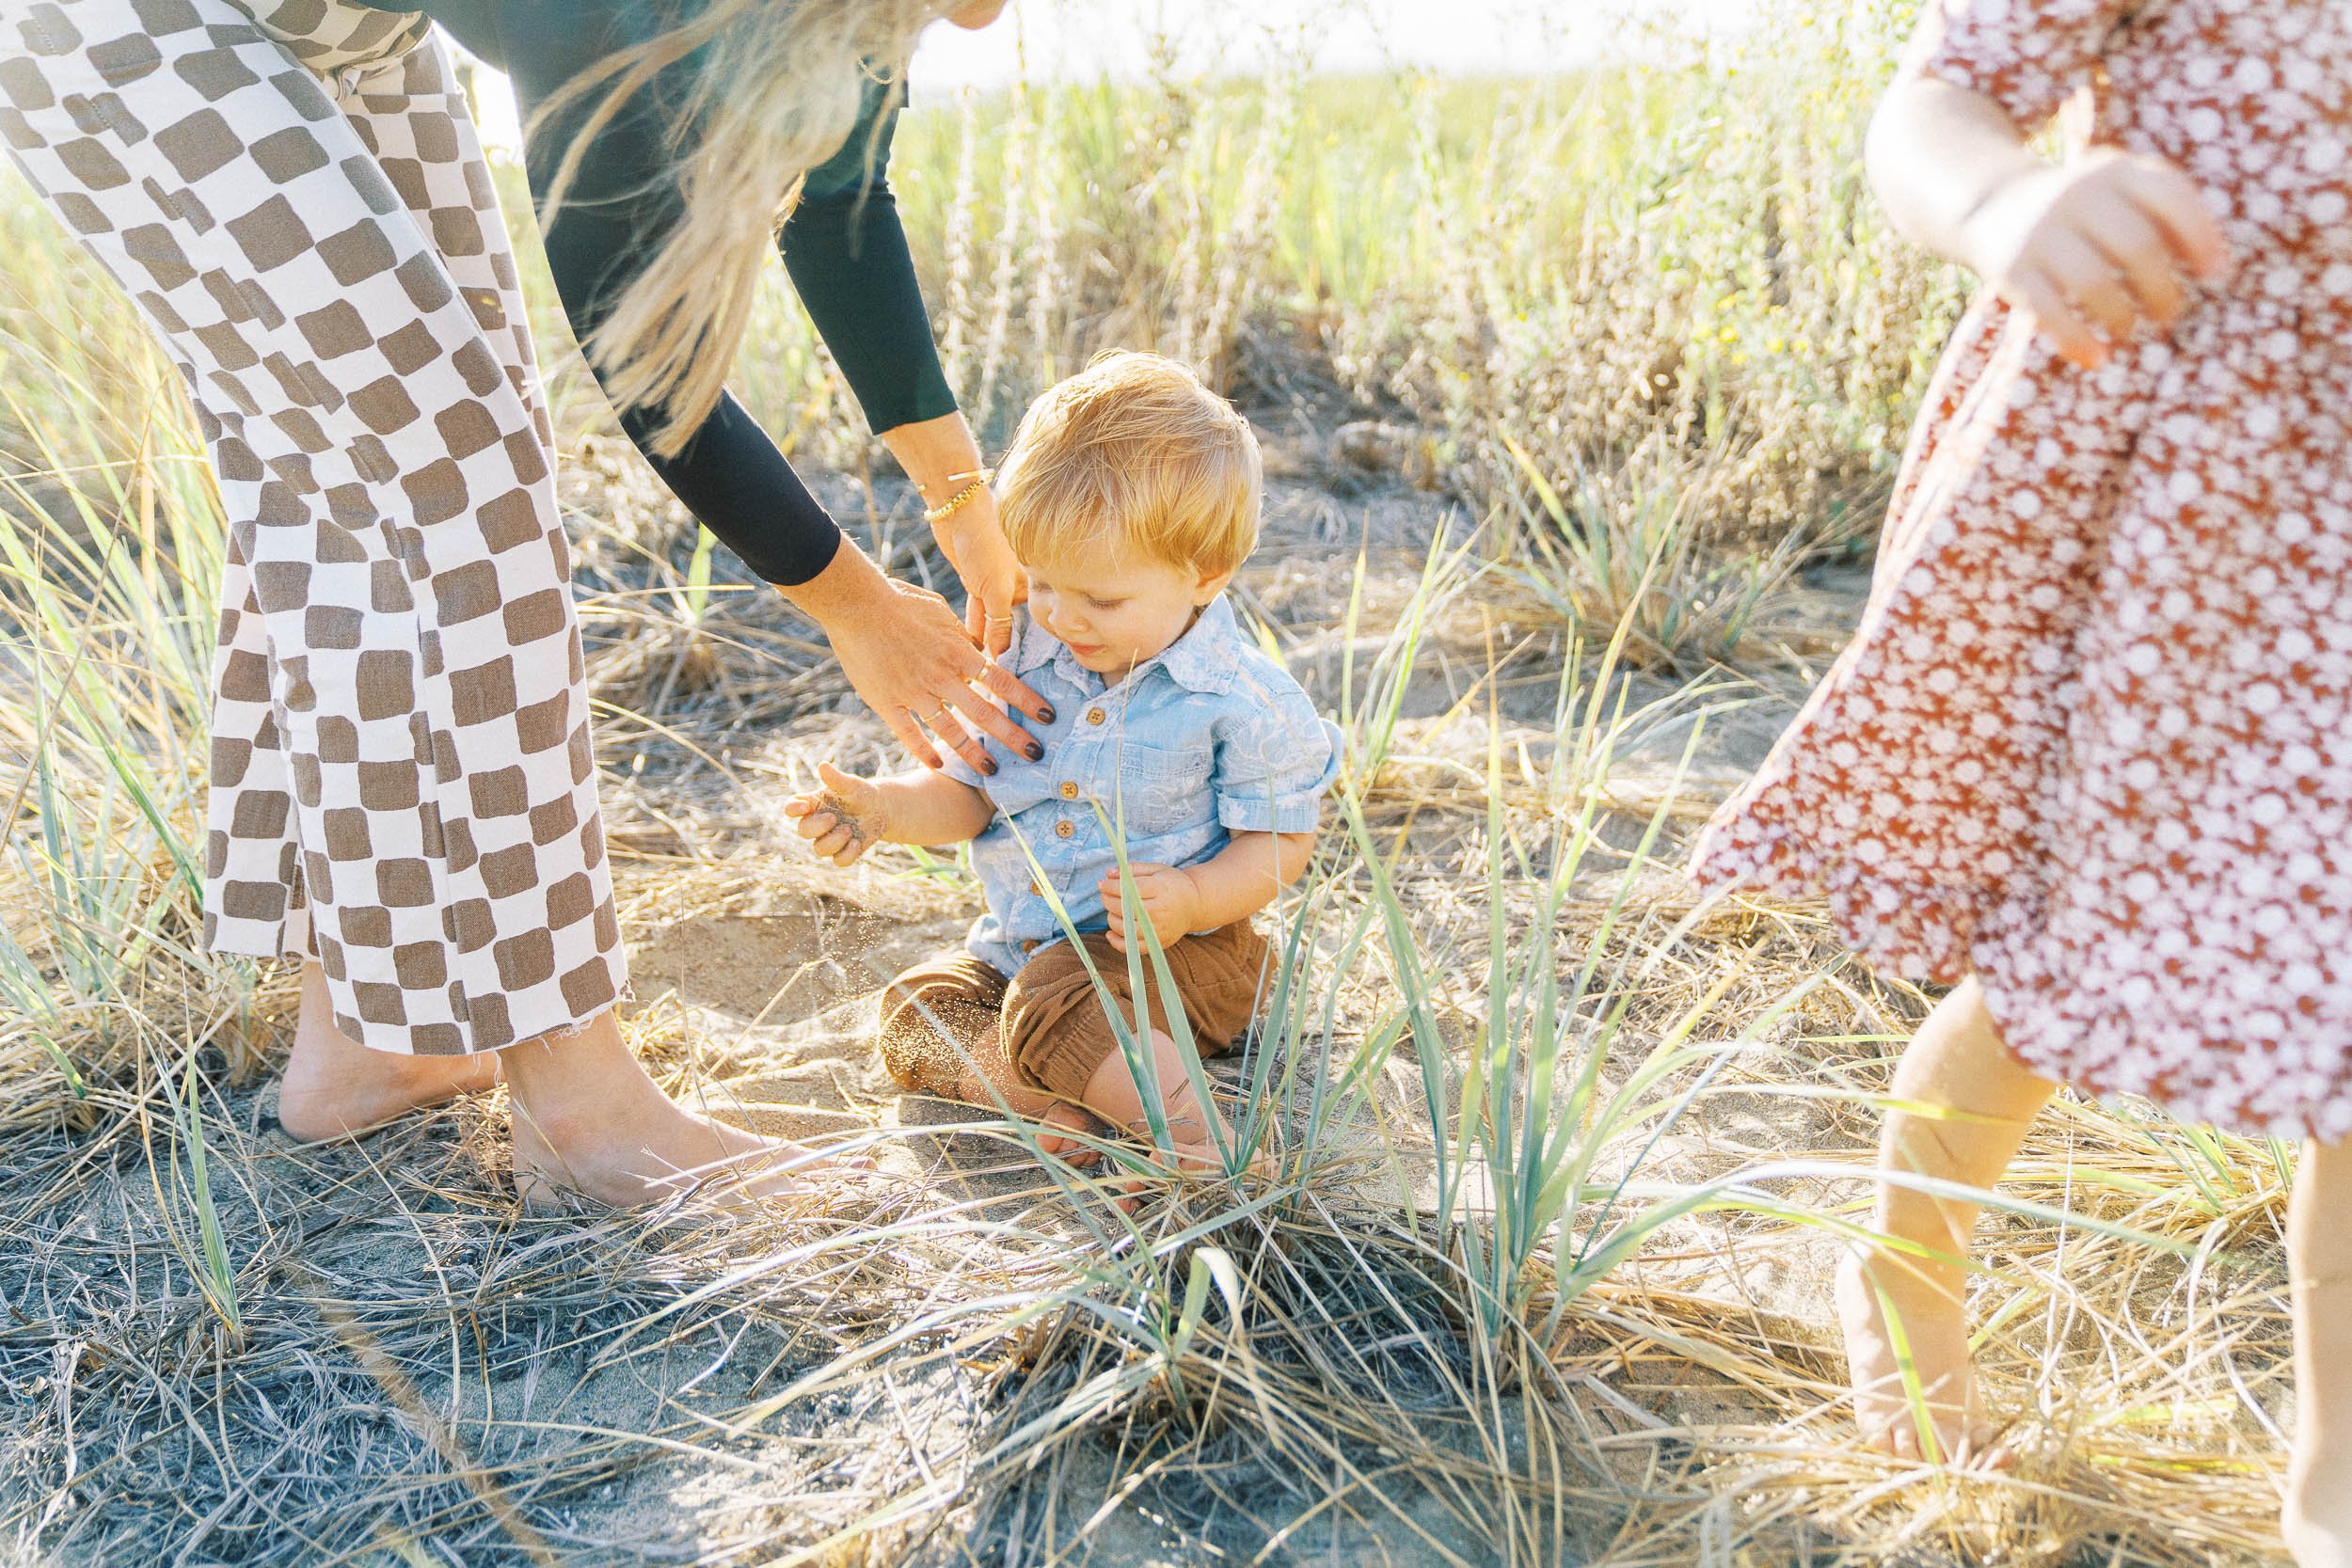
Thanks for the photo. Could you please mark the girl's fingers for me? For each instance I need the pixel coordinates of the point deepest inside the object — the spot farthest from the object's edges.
(2176, 204)
(2054, 317)
(2090, 280)
(816, 825)
(2136, 250)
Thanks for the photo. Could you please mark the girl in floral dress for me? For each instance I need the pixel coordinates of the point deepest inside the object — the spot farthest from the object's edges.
(2089, 756)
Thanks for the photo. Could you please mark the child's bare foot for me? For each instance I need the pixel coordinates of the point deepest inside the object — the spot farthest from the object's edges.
(588, 1120)
(335, 1087)
(1930, 1331)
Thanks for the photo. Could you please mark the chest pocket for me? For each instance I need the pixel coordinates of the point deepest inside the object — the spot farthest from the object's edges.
(1160, 789)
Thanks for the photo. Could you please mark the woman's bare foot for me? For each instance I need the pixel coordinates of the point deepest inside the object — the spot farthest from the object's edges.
(1931, 1334)
(335, 1087)
(588, 1120)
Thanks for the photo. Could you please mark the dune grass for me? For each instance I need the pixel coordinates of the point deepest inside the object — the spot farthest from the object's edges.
(1558, 1159)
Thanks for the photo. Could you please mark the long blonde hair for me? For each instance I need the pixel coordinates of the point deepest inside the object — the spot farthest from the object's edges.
(777, 94)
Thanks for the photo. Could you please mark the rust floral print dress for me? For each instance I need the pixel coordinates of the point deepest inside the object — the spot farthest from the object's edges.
(2093, 740)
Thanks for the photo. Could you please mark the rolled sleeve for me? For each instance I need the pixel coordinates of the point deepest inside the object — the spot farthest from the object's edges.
(1273, 762)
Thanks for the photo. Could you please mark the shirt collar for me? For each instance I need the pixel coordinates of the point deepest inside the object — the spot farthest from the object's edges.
(1203, 659)
(1200, 660)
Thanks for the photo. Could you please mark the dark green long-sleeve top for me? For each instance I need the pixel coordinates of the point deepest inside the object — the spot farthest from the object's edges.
(843, 247)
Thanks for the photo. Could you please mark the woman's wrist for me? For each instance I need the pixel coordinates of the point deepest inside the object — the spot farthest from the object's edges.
(939, 455)
(849, 582)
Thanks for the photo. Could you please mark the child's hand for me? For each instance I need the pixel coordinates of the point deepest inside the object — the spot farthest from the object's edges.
(842, 821)
(1170, 900)
(2094, 246)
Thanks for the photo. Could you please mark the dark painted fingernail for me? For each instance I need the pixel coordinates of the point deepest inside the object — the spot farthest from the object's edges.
(1044, 713)
(1037, 752)
(988, 766)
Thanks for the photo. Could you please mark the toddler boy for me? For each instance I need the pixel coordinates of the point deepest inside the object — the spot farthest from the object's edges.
(1131, 498)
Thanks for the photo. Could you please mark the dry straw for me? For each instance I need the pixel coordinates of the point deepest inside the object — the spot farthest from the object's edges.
(1560, 1158)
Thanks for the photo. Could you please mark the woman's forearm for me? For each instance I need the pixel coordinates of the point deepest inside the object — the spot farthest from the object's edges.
(1246, 876)
(1937, 155)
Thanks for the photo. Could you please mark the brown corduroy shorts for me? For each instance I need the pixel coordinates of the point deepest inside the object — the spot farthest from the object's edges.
(1047, 1027)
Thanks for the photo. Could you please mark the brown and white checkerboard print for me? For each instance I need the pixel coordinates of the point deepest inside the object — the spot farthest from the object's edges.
(402, 774)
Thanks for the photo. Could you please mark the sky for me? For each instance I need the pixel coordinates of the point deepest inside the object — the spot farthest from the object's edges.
(1062, 39)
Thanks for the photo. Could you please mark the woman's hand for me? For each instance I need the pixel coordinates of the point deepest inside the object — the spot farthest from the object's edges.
(910, 659)
(942, 458)
(2094, 247)
(973, 542)
(1171, 900)
(844, 819)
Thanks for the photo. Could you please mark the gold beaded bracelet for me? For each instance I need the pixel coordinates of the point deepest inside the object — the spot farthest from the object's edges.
(980, 478)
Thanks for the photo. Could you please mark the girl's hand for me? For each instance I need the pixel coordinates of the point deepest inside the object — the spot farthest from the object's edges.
(2095, 247)
(973, 540)
(910, 657)
(1172, 903)
(844, 819)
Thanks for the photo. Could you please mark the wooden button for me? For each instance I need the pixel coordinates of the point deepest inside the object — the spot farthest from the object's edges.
(1064, 828)
(1068, 790)
(1095, 715)
(1029, 946)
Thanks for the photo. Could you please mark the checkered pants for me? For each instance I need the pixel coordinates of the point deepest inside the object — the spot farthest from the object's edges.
(402, 778)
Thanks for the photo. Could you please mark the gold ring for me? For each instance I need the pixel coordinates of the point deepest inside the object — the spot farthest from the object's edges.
(945, 709)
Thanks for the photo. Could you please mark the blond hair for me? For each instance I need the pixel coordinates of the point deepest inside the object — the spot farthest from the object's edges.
(1133, 454)
(777, 93)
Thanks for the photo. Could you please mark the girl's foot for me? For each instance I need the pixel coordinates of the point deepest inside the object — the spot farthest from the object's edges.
(2317, 1518)
(588, 1120)
(1932, 1325)
(335, 1087)
(2317, 1522)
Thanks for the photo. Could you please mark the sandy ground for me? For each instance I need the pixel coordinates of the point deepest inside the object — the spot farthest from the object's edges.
(952, 1366)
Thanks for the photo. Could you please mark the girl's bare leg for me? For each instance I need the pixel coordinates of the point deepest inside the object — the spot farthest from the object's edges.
(1957, 1064)
(334, 1087)
(2317, 1519)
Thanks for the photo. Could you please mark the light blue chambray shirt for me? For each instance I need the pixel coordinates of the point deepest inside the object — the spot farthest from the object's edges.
(1210, 739)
